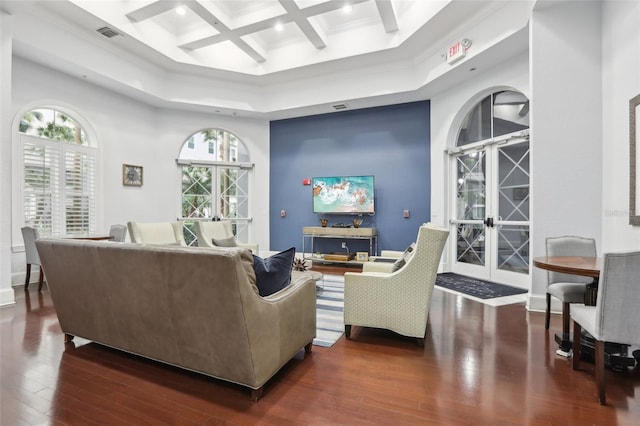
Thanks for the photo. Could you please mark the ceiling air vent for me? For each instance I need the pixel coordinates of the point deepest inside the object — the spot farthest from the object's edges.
(108, 32)
(339, 107)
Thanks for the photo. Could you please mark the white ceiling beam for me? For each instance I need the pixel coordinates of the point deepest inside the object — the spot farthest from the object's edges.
(225, 33)
(152, 9)
(285, 18)
(388, 17)
(302, 22)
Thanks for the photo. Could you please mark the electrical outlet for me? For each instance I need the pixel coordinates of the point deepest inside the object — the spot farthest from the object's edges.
(344, 244)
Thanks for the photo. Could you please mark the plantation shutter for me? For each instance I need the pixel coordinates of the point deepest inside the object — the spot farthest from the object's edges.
(59, 187)
(41, 185)
(79, 193)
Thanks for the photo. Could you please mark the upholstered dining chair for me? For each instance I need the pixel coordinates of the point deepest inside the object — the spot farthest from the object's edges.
(29, 236)
(616, 315)
(564, 287)
(399, 300)
(170, 233)
(219, 234)
(118, 233)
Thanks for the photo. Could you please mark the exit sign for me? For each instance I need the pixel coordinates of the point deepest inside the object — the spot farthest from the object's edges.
(456, 52)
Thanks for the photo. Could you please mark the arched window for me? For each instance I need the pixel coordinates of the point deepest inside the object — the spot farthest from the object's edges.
(58, 174)
(215, 181)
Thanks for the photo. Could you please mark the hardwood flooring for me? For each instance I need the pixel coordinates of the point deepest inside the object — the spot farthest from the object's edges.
(480, 365)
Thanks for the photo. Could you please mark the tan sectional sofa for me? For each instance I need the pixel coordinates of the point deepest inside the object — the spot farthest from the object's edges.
(194, 308)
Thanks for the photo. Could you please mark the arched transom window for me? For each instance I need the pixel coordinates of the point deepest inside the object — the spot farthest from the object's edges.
(500, 113)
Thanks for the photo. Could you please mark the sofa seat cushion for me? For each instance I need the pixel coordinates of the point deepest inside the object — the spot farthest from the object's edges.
(273, 273)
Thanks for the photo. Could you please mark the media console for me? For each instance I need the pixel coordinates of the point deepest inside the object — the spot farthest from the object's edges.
(313, 232)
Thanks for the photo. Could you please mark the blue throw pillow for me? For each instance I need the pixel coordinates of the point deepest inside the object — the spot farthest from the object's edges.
(273, 273)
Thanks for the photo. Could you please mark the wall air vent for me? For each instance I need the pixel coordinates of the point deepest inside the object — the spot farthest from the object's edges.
(339, 107)
(108, 32)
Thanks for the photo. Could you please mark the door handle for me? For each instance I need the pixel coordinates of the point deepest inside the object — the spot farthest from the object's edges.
(489, 222)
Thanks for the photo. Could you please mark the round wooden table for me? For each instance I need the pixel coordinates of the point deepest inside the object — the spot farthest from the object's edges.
(575, 265)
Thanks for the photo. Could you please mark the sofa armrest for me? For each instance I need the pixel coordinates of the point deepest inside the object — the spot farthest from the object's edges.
(280, 324)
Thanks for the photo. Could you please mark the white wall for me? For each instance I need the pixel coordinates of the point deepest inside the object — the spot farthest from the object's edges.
(6, 293)
(566, 127)
(620, 82)
(134, 133)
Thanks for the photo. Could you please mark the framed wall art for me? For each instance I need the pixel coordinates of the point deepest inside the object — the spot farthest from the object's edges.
(634, 161)
(362, 256)
(131, 175)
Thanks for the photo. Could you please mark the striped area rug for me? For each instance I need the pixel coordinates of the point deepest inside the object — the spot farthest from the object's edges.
(329, 310)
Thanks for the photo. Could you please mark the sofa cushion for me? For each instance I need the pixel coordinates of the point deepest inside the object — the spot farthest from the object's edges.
(224, 242)
(398, 264)
(273, 273)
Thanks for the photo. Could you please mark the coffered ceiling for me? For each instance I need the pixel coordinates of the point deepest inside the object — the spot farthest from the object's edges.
(271, 48)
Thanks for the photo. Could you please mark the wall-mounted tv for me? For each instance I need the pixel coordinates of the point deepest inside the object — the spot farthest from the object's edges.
(343, 195)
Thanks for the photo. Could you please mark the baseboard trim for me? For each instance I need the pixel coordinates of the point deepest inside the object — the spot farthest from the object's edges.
(538, 303)
(7, 297)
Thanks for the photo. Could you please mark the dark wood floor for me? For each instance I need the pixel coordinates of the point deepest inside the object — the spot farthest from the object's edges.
(480, 366)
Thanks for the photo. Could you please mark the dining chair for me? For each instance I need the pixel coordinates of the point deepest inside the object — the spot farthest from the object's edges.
(565, 287)
(29, 237)
(118, 233)
(615, 316)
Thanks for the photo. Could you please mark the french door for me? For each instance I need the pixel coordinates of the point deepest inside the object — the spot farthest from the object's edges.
(490, 211)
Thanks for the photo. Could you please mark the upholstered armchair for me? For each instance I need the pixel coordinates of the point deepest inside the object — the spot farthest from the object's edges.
(210, 233)
(169, 233)
(397, 301)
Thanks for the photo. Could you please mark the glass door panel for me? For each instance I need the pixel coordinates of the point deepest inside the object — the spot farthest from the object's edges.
(512, 223)
(470, 212)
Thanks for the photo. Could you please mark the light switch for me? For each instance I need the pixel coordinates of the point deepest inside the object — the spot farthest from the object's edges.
(405, 214)
(283, 213)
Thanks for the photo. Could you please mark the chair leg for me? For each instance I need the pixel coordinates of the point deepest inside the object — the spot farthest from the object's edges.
(41, 279)
(577, 331)
(256, 393)
(548, 313)
(27, 277)
(599, 366)
(566, 320)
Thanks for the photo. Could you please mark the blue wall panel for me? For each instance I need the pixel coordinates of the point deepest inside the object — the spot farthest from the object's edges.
(391, 143)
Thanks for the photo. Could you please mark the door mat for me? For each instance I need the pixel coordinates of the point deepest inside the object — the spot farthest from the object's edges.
(475, 287)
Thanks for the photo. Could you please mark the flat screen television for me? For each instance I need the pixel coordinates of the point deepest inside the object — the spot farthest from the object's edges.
(343, 195)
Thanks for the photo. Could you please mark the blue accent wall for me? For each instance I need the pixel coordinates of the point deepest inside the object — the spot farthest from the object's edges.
(392, 143)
